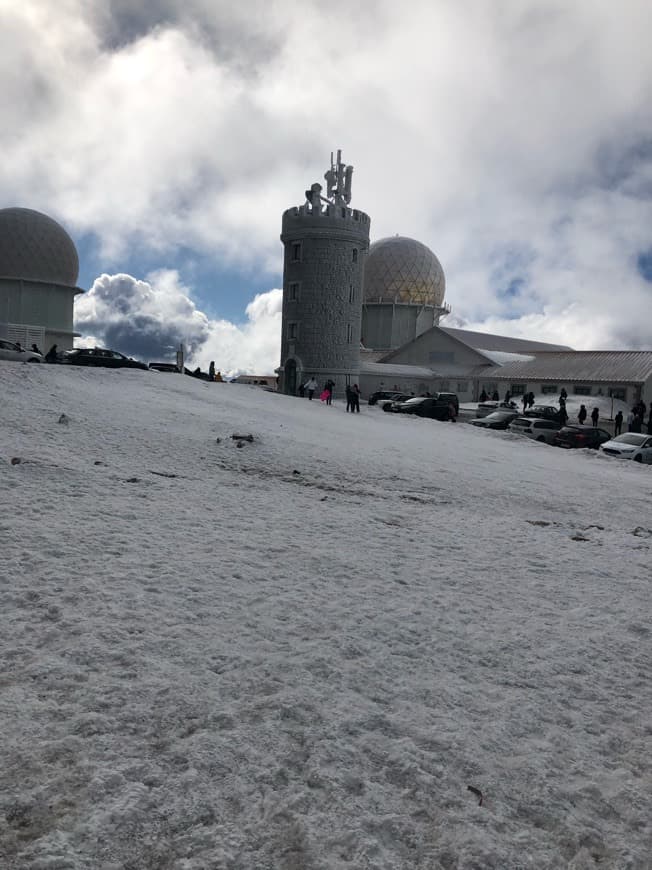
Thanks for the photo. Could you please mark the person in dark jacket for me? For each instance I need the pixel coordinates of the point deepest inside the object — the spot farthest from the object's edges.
(349, 397)
(618, 423)
(483, 396)
(563, 395)
(35, 348)
(495, 397)
(581, 416)
(355, 394)
(530, 400)
(563, 415)
(51, 355)
(595, 416)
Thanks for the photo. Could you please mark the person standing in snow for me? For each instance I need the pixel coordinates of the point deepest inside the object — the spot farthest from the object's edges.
(483, 395)
(563, 415)
(530, 400)
(618, 423)
(595, 416)
(329, 386)
(301, 391)
(525, 401)
(349, 397)
(211, 371)
(310, 387)
(581, 417)
(508, 396)
(495, 397)
(51, 355)
(355, 395)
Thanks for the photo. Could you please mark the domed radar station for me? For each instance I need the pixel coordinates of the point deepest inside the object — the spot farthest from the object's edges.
(325, 246)
(404, 286)
(39, 268)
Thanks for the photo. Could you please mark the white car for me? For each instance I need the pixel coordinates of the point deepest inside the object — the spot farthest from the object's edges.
(538, 428)
(631, 445)
(14, 352)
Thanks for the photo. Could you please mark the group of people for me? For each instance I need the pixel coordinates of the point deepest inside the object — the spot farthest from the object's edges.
(636, 418)
(310, 388)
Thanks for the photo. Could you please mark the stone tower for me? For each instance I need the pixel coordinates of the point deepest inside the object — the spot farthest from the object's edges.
(325, 245)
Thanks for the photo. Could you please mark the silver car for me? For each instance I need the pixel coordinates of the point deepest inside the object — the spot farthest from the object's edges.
(536, 427)
(9, 350)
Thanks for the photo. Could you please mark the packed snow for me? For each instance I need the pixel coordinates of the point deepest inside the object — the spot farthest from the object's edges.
(356, 641)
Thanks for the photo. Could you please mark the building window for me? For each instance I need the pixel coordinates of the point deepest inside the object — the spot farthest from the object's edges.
(462, 386)
(355, 255)
(444, 386)
(293, 330)
(549, 389)
(296, 252)
(351, 293)
(517, 389)
(293, 291)
(618, 393)
(349, 333)
(580, 390)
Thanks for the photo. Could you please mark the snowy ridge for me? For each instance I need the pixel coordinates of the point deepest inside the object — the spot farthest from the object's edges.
(301, 652)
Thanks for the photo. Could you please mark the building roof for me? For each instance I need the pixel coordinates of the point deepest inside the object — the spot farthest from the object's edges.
(372, 368)
(484, 341)
(607, 366)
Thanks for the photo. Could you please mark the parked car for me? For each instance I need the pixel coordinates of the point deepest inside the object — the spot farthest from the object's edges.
(387, 395)
(435, 407)
(99, 356)
(486, 408)
(495, 420)
(545, 412)
(581, 436)
(13, 352)
(538, 428)
(164, 367)
(630, 445)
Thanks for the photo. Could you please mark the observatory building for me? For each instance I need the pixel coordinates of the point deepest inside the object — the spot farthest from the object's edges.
(404, 288)
(39, 268)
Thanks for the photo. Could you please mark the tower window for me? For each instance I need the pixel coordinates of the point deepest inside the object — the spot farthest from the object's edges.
(293, 330)
(296, 252)
(349, 333)
(351, 293)
(355, 255)
(293, 291)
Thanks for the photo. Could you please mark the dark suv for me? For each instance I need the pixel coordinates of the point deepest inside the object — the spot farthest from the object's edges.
(437, 407)
(543, 412)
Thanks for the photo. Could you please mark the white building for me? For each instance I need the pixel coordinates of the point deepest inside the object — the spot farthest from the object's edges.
(39, 268)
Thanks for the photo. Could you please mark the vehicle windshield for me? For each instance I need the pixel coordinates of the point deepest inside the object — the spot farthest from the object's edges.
(631, 438)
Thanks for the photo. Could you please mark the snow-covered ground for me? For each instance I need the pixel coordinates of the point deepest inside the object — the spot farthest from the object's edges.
(301, 652)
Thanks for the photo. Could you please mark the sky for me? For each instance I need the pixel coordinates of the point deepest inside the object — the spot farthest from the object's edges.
(512, 138)
(313, 650)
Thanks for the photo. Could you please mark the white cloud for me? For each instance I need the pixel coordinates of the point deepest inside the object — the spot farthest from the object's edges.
(480, 129)
(150, 319)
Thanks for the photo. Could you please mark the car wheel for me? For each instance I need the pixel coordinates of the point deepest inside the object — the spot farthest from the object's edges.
(387, 407)
(33, 359)
(638, 458)
(541, 439)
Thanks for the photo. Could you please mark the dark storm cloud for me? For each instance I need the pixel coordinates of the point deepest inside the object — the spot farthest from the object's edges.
(146, 319)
